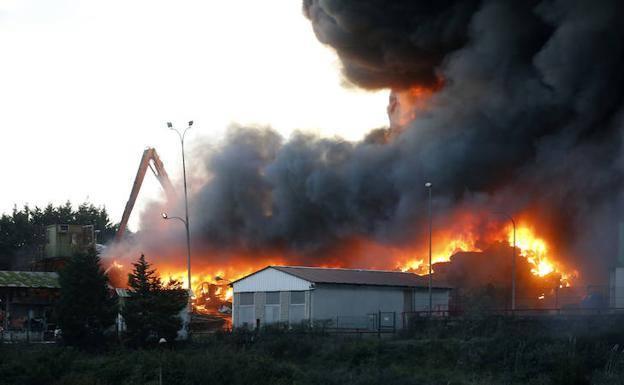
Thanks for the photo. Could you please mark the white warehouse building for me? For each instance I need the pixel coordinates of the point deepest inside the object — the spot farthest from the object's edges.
(343, 298)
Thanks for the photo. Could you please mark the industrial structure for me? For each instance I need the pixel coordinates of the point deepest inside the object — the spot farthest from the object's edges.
(341, 298)
(64, 241)
(616, 276)
(26, 302)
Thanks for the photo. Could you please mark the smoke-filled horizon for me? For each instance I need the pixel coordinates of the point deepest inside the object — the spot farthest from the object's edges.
(528, 120)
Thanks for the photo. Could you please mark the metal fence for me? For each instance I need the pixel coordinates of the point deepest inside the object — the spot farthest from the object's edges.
(380, 322)
(409, 317)
(17, 336)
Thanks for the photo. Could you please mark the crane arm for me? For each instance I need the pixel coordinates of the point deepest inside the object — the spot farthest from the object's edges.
(149, 159)
(159, 171)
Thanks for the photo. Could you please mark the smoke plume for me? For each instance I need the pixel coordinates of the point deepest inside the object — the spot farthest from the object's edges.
(528, 118)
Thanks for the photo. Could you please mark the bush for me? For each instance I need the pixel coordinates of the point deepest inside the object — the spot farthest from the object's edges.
(514, 352)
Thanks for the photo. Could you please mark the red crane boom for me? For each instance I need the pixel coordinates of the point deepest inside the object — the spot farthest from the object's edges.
(149, 160)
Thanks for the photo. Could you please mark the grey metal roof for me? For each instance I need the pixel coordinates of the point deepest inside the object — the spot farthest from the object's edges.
(358, 277)
(34, 279)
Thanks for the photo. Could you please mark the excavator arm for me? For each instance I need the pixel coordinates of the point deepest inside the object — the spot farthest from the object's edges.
(149, 160)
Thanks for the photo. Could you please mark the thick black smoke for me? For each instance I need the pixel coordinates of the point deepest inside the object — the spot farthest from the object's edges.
(530, 117)
(391, 43)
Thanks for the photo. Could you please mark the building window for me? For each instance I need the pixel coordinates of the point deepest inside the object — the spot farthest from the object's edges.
(272, 307)
(246, 311)
(296, 312)
(246, 299)
(297, 297)
(273, 298)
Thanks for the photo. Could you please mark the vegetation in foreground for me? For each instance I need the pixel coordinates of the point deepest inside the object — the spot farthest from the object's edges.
(152, 310)
(486, 351)
(86, 308)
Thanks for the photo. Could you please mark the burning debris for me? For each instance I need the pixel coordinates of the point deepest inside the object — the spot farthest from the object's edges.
(527, 121)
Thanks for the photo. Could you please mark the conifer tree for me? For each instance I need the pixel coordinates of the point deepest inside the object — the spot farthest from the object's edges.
(86, 308)
(152, 310)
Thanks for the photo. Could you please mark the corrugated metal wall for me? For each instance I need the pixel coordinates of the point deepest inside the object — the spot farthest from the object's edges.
(270, 280)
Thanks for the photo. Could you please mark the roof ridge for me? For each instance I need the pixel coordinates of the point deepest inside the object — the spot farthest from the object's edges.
(347, 269)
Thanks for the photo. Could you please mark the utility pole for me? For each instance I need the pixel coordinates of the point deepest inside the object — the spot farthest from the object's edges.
(513, 268)
(186, 220)
(428, 185)
(513, 261)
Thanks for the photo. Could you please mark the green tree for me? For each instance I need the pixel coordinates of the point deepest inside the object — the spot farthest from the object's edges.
(22, 233)
(6, 243)
(152, 310)
(86, 307)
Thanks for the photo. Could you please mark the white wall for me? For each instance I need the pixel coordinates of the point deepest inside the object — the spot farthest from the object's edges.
(242, 314)
(332, 301)
(270, 280)
(616, 288)
(326, 302)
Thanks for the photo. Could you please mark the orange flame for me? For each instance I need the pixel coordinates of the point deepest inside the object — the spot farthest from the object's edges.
(404, 105)
(534, 249)
(464, 232)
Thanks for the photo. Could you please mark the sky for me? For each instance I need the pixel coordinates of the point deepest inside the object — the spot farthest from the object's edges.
(86, 86)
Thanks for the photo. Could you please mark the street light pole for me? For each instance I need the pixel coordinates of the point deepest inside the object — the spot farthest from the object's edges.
(166, 217)
(428, 185)
(513, 268)
(513, 261)
(186, 221)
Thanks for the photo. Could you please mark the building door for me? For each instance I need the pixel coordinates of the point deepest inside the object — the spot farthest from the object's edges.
(272, 307)
(246, 310)
(296, 310)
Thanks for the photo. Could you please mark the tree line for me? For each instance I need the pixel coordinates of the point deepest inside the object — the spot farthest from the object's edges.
(22, 232)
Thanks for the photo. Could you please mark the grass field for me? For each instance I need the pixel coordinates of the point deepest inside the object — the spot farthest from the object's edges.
(479, 351)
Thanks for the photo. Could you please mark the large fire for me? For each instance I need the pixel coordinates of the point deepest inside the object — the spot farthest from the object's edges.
(529, 246)
(464, 234)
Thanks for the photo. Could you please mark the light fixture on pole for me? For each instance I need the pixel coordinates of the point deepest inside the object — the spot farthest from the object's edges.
(182, 135)
(428, 185)
(166, 216)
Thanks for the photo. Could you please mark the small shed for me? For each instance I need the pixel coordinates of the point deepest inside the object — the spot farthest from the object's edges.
(342, 298)
(26, 302)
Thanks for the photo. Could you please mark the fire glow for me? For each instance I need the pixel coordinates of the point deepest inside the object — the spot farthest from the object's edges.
(529, 246)
(405, 105)
(464, 232)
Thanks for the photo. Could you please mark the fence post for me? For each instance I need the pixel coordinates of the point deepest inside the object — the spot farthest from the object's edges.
(394, 322)
(28, 325)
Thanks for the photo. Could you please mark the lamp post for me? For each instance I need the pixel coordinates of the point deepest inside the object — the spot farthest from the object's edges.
(513, 260)
(166, 217)
(186, 220)
(428, 185)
